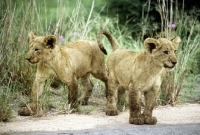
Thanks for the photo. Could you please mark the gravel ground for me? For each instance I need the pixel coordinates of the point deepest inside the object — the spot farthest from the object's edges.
(179, 120)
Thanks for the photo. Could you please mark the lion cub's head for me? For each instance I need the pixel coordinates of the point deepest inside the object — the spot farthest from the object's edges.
(40, 48)
(163, 51)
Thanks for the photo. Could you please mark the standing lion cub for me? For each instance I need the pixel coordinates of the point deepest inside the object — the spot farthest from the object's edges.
(69, 63)
(138, 72)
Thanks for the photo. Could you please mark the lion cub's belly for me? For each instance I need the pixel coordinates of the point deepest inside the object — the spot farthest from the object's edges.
(140, 81)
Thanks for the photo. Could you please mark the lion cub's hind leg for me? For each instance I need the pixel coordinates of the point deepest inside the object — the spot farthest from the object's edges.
(101, 74)
(111, 108)
(87, 89)
(122, 101)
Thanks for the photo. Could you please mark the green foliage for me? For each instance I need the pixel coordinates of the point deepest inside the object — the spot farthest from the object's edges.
(5, 104)
(188, 29)
(140, 16)
(15, 71)
(190, 91)
(164, 19)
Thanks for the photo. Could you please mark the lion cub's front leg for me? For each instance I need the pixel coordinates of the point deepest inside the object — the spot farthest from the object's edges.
(150, 99)
(34, 107)
(73, 95)
(87, 89)
(73, 92)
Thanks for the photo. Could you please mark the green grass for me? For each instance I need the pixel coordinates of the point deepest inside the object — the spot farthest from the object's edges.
(5, 104)
(190, 91)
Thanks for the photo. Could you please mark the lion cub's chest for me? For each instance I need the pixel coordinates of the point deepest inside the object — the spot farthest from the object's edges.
(145, 74)
(146, 83)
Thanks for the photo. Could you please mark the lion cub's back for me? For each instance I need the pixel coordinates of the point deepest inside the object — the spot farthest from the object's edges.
(86, 47)
(84, 55)
(121, 56)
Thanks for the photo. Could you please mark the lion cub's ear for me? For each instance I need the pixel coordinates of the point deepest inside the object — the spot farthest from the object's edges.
(50, 41)
(176, 41)
(150, 44)
(31, 36)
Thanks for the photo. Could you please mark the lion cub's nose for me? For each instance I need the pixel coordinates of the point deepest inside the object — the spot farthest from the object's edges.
(174, 63)
(27, 58)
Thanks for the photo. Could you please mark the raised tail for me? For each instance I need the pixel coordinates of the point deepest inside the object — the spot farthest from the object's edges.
(111, 39)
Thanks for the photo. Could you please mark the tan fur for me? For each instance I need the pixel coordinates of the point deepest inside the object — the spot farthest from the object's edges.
(69, 63)
(138, 72)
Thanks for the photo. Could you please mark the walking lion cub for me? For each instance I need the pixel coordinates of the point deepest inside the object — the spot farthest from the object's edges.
(138, 72)
(68, 64)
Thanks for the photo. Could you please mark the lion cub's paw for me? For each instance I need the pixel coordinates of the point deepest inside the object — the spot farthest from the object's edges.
(111, 112)
(150, 120)
(83, 102)
(24, 111)
(31, 109)
(136, 120)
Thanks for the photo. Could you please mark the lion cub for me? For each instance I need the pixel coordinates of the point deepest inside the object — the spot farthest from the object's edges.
(138, 72)
(69, 63)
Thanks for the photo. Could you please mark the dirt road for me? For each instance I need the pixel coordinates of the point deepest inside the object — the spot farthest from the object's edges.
(181, 119)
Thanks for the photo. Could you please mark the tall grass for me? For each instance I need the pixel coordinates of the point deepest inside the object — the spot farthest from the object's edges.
(175, 22)
(5, 105)
(15, 74)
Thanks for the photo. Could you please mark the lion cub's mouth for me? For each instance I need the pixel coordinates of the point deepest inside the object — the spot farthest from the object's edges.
(170, 67)
(32, 62)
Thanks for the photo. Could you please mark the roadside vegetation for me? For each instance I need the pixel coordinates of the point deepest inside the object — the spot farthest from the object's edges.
(82, 21)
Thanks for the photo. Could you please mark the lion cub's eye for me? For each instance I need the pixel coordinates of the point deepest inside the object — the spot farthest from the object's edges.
(36, 49)
(166, 52)
(175, 51)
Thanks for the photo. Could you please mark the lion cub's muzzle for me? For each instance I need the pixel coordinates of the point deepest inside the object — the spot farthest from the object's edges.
(29, 59)
(171, 65)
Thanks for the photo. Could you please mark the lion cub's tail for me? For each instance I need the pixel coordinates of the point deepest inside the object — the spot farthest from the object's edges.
(111, 39)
